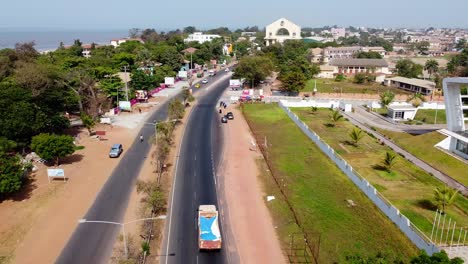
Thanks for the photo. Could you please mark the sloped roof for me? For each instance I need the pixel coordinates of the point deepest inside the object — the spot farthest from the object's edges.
(415, 82)
(359, 62)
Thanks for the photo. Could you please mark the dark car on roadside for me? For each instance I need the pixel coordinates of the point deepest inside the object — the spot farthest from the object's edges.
(230, 116)
(115, 151)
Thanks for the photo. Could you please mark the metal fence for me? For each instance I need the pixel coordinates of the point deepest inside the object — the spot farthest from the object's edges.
(403, 223)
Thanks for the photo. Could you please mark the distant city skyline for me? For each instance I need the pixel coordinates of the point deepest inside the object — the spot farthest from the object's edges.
(119, 14)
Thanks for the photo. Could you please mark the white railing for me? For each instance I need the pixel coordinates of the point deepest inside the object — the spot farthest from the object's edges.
(404, 224)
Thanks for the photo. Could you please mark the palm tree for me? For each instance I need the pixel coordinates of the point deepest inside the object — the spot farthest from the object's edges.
(431, 66)
(389, 160)
(313, 109)
(386, 98)
(335, 117)
(444, 197)
(416, 99)
(356, 135)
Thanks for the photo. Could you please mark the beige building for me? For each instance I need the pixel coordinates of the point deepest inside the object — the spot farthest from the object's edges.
(282, 30)
(353, 66)
(411, 85)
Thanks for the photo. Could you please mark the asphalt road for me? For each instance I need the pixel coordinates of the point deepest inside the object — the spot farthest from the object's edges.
(195, 182)
(92, 242)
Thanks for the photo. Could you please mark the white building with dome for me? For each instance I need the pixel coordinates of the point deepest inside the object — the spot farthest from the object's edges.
(282, 30)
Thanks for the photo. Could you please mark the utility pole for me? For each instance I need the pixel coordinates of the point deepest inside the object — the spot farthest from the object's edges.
(126, 84)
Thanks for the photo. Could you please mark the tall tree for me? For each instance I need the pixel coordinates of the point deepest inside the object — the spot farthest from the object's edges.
(431, 66)
(11, 172)
(53, 147)
(444, 197)
(408, 68)
(293, 81)
(254, 68)
(386, 98)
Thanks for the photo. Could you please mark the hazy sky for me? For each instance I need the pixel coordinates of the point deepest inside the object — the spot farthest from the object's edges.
(204, 14)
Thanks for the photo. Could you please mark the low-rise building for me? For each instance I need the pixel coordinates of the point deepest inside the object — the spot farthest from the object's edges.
(200, 37)
(353, 66)
(456, 109)
(401, 112)
(316, 55)
(327, 72)
(412, 85)
(117, 42)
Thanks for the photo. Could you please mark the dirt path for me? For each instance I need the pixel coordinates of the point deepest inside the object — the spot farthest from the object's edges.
(250, 223)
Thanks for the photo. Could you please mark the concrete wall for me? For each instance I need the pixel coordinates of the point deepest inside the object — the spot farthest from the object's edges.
(403, 223)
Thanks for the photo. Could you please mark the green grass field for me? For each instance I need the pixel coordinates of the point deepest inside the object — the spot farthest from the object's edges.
(347, 86)
(419, 145)
(408, 187)
(318, 192)
(428, 116)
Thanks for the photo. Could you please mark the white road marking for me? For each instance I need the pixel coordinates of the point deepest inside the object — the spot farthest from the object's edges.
(173, 191)
(195, 157)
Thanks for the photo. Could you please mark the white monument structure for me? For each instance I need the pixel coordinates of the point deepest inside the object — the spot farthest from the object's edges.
(281, 30)
(456, 107)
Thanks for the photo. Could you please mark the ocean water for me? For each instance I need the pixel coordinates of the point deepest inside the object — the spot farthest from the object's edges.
(50, 39)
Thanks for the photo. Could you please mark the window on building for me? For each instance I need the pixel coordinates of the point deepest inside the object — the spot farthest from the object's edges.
(398, 115)
(462, 146)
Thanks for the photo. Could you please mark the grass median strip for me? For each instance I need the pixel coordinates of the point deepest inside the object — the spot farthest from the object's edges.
(408, 187)
(323, 198)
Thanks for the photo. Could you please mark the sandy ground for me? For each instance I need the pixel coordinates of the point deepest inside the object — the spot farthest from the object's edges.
(255, 238)
(40, 221)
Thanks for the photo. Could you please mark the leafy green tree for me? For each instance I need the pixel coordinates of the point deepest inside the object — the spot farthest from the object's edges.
(360, 78)
(153, 196)
(189, 30)
(161, 72)
(386, 98)
(53, 147)
(293, 82)
(431, 66)
(176, 109)
(416, 99)
(444, 197)
(368, 55)
(340, 77)
(436, 258)
(123, 59)
(335, 117)
(254, 68)
(88, 122)
(408, 68)
(422, 47)
(112, 86)
(461, 44)
(142, 80)
(356, 135)
(7, 145)
(11, 172)
(168, 55)
(389, 160)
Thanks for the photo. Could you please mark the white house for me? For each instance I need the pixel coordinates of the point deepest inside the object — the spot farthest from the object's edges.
(456, 109)
(401, 112)
(200, 37)
(117, 42)
(282, 30)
